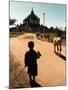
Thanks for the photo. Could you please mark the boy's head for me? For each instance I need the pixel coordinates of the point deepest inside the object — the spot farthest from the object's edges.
(31, 44)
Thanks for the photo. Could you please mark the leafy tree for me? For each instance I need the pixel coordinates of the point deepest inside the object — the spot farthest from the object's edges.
(58, 32)
(12, 21)
(51, 29)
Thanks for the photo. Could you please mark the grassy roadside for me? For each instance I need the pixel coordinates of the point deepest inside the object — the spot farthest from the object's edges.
(17, 77)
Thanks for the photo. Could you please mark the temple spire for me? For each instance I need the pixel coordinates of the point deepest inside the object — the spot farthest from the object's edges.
(32, 8)
(32, 12)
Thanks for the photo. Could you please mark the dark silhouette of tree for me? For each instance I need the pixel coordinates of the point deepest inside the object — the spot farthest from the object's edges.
(19, 28)
(58, 32)
(51, 29)
(12, 21)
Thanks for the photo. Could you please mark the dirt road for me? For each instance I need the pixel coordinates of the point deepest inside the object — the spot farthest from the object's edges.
(51, 68)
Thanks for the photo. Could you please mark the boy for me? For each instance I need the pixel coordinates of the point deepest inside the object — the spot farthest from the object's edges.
(31, 57)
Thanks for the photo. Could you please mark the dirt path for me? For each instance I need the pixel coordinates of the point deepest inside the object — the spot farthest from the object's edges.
(51, 68)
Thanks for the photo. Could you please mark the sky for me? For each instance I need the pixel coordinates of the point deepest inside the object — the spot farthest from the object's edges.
(55, 14)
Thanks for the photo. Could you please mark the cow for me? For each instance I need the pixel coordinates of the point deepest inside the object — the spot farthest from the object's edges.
(57, 44)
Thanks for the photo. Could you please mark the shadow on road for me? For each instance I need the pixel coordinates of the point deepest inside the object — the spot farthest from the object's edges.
(34, 84)
(31, 84)
(61, 56)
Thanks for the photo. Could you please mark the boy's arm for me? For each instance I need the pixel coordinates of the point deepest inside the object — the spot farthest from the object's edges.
(38, 54)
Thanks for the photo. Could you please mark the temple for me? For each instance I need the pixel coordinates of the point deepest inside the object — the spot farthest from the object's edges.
(32, 21)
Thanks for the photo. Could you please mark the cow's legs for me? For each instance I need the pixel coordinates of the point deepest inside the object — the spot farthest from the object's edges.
(54, 48)
(60, 48)
(57, 48)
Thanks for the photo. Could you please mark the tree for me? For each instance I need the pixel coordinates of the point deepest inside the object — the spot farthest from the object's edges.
(58, 32)
(51, 29)
(12, 21)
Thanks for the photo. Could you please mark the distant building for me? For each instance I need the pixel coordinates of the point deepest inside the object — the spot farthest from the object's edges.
(31, 21)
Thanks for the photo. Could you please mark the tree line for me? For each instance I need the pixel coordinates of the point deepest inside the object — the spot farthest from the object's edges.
(35, 29)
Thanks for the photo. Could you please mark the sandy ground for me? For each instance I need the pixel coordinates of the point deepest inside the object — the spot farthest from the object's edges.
(51, 68)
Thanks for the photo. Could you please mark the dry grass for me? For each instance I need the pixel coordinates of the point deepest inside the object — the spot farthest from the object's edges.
(18, 77)
(14, 34)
